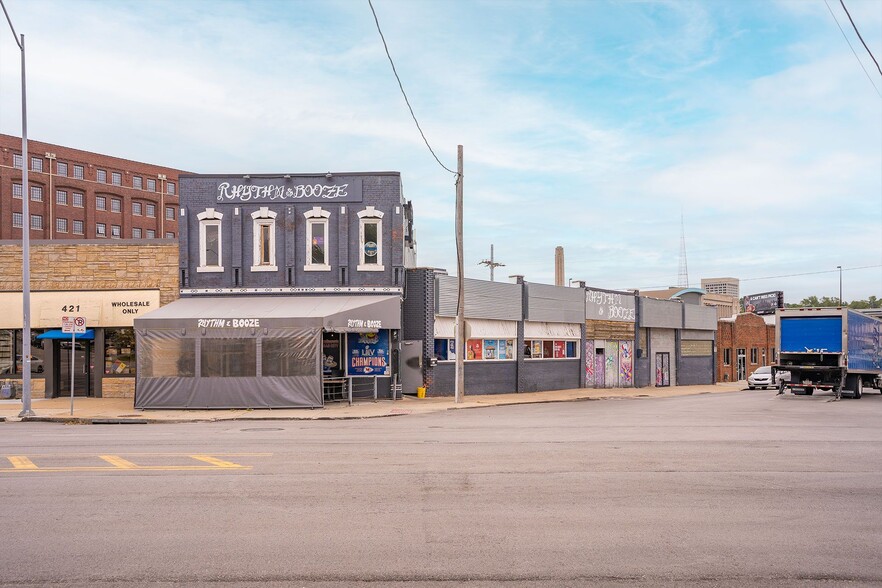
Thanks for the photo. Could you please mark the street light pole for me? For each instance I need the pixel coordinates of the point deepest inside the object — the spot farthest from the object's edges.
(839, 267)
(25, 236)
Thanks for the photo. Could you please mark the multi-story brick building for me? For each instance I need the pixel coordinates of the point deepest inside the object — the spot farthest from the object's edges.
(76, 194)
(745, 342)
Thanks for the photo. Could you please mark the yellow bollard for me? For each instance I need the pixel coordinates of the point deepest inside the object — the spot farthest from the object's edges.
(421, 392)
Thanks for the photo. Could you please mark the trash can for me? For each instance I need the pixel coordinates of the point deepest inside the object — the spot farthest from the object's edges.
(421, 392)
(7, 391)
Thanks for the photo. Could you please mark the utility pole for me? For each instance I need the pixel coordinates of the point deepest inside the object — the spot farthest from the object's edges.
(491, 263)
(459, 386)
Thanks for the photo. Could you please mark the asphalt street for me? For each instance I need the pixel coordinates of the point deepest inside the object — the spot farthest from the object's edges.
(744, 488)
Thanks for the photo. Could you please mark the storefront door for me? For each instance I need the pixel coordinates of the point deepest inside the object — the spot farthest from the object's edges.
(83, 360)
(740, 365)
(599, 368)
(662, 369)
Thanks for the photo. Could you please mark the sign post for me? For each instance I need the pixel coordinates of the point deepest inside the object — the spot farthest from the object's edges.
(72, 325)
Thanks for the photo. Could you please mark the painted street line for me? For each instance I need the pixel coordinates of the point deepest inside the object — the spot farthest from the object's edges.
(22, 463)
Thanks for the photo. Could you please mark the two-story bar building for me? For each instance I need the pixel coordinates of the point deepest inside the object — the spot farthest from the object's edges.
(291, 290)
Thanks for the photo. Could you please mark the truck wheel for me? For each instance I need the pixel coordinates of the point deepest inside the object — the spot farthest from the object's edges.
(809, 391)
(858, 388)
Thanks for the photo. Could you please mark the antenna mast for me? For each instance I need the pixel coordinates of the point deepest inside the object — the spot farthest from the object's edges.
(491, 263)
(683, 281)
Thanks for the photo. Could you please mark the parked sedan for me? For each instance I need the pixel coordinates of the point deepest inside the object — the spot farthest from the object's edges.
(761, 378)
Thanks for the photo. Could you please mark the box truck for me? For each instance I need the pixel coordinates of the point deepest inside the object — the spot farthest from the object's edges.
(834, 349)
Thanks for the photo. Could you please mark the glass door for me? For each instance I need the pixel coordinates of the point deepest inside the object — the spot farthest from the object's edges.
(82, 365)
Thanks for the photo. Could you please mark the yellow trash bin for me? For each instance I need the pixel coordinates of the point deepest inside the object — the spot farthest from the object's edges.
(421, 392)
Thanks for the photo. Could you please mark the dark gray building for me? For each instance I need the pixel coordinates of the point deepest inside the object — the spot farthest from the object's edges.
(291, 286)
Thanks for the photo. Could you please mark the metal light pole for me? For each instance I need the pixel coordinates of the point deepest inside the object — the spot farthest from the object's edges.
(25, 236)
(839, 267)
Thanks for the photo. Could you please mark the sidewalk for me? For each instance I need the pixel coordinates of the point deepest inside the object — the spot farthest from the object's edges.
(121, 410)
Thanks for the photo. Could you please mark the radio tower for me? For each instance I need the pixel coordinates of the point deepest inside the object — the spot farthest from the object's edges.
(683, 281)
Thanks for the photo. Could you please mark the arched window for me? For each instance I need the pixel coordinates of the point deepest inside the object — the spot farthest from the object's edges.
(318, 256)
(264, 239)
(210, 258)
(370, 240)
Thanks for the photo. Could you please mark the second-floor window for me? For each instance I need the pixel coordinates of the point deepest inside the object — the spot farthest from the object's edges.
(61, 225)
(37, 193)
(16, 191)
(100, 203)
(264, 240)
(77, 199)
(317, 254)
(60, 197)
(78, 227)
(115, 205)
(370, 240)
(36, 222)
(136, 233)
(136, 208)
(210, 259)
(169, 213)
(100, 230)
(151, 210)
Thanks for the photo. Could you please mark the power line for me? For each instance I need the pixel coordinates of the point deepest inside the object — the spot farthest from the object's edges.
(845, 269)
(403, 93)
(854, 26)
(844, 36)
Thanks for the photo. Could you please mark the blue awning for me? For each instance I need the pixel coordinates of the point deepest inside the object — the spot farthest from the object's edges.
(89, 335)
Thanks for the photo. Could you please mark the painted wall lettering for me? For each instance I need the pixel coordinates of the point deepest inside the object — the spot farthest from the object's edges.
(229, 192)
(609, 306)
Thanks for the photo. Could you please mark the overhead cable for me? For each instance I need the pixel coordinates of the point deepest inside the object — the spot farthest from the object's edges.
(854, 26)
(844, 36)
(403, 93)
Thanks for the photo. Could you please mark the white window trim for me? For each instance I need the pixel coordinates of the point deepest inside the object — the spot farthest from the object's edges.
(317, 216)
(213, 218)
(263, 217)
(370, 214)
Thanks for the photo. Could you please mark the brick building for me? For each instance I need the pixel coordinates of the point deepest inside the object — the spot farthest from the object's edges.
(77, 194)
(109, 283)
(745, 342)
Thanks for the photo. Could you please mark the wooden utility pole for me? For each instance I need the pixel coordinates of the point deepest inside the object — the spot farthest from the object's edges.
(459, 387)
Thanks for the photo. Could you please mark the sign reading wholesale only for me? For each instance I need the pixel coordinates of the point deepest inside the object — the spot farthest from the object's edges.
(100, 308)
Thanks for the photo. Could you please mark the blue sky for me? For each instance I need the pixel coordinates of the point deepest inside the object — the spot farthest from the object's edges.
(590, 125)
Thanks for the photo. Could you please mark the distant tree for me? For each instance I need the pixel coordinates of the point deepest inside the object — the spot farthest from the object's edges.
(827, 301)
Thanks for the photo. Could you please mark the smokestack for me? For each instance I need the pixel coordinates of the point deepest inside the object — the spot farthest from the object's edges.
(558, 266)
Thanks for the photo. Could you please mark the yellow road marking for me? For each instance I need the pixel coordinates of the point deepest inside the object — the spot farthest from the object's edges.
(119, 462)
(215, 461)
(206, 468)
(20, 462)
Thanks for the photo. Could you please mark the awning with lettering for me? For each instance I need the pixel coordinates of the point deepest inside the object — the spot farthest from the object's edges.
(338, 313)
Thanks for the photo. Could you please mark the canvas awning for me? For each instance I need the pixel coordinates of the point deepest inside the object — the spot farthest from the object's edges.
(342, 313)
(89, 335)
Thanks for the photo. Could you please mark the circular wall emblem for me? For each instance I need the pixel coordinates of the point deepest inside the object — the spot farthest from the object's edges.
(370, 249)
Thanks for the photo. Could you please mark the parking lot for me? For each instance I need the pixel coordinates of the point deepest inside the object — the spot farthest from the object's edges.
(742, 488)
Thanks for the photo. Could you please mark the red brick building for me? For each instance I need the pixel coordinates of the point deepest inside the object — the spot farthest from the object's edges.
(81, 195)
(744, 343)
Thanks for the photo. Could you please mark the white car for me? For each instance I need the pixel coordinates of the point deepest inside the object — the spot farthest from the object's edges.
(761, 378)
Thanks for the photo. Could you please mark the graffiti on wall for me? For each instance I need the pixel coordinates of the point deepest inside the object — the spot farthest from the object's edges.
(589, 363)
(626, 363)
(612, 364)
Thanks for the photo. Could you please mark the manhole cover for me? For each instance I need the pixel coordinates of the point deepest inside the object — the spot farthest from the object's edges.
(265, 429)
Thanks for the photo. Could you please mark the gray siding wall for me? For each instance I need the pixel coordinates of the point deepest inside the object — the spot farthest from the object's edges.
(555, 304)
(487, 300)
(552, 374)
(699, 317)
(480, 378)
(666, 314)
(380, 190)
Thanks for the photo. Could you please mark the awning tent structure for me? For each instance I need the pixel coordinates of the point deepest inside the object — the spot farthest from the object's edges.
(247, 351)
(88, 335)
